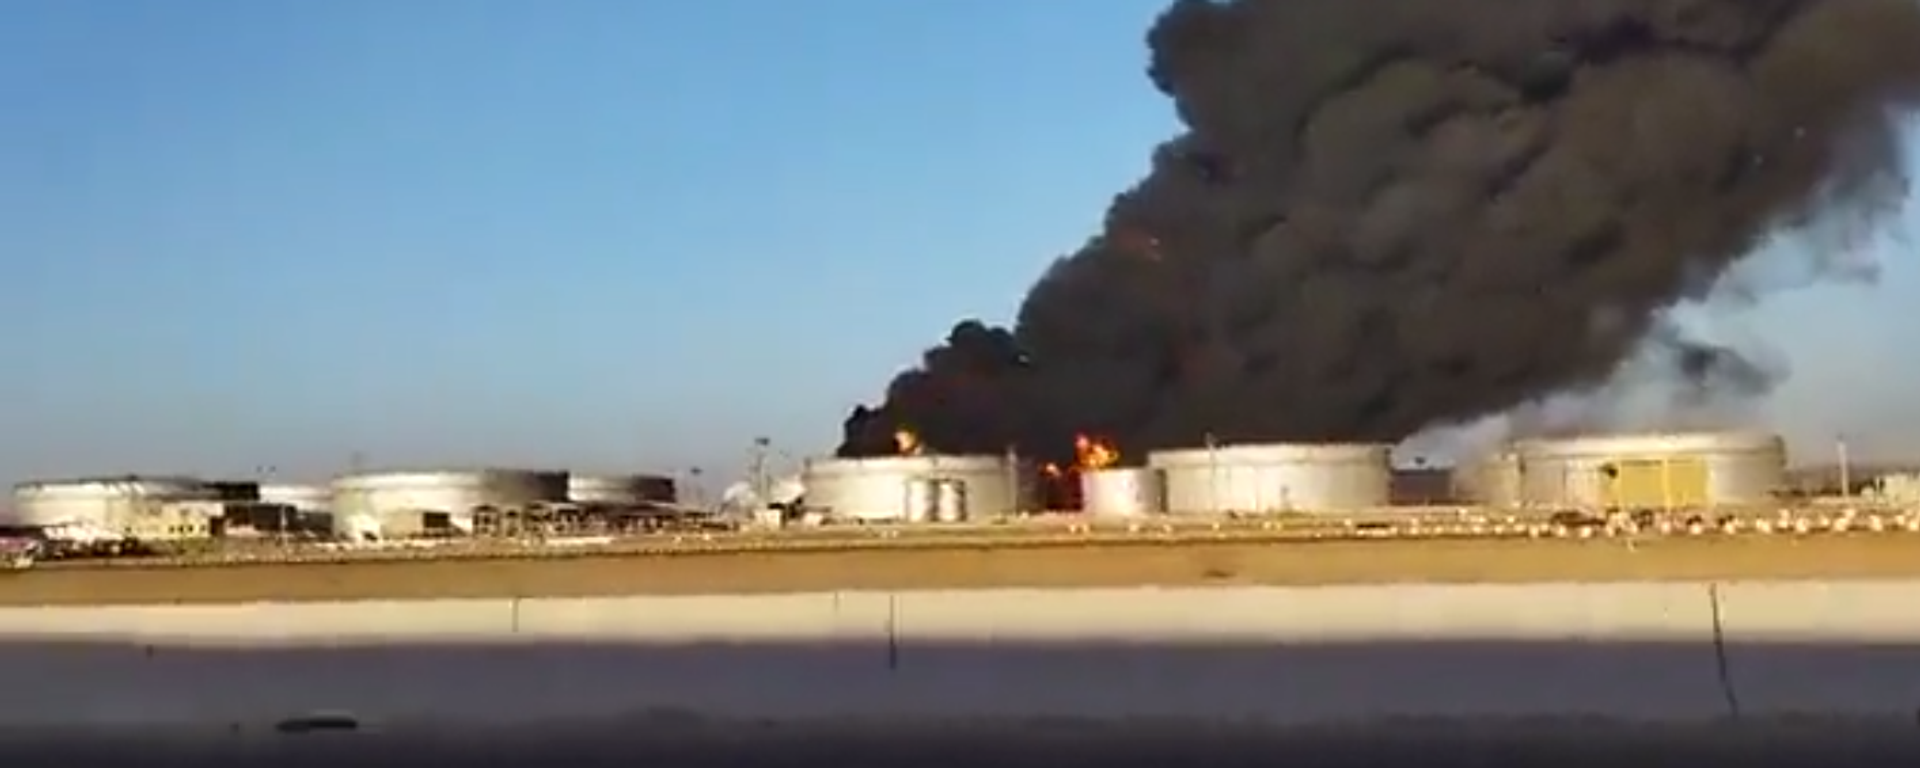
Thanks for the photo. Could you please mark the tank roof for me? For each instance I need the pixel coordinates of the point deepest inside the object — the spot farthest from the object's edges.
(1654, 442)
(449, 472)
(294, 488)
(128, 479)
(1264, 452)
(906, 463)
(618, 477)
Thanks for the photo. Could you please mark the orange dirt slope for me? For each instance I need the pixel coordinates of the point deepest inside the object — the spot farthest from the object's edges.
(1299, 563)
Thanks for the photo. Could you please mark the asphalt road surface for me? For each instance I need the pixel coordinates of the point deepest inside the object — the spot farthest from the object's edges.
(1821, 744)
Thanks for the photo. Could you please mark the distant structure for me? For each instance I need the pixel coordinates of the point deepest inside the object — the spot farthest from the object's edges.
(1898, 488)
(403, 504)
(782, 495)
(1641, 471)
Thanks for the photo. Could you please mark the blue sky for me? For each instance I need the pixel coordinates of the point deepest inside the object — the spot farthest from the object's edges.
(596, 233)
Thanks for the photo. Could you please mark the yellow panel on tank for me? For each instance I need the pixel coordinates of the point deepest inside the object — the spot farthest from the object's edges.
(1688, 482)
(1658, 483)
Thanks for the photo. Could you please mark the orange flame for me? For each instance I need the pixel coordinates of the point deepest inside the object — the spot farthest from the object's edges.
(907, 443)
(1052, 470)
(1094, 454)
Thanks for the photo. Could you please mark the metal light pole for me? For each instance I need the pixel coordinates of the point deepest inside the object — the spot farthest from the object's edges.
(696, 494)
(1014, 482)
(1845, 465)
(1522, 484)
(1213, 475)
(263, 475)
(757, 469)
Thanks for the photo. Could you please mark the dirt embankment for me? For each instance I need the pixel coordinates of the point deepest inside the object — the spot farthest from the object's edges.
(1831, 557)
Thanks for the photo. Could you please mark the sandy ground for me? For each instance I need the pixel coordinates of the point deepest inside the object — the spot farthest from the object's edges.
(1821, 744)
(1681, 558)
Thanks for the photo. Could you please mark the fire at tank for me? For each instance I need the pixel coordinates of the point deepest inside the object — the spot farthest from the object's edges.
(1060, 482)
(1389, 216)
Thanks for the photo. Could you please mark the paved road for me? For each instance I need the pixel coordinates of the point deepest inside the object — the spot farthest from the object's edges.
(694, 746)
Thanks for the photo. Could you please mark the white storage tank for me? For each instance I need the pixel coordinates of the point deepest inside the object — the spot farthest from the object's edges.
(1122, 492)
(1276, 478)
(1494, 481)
(936, 500)
(1684, 470)
(317, 499)
(109, 503)
(951, 503)
(913, 488)
(409, 503)
(622, 489)
(920, 500)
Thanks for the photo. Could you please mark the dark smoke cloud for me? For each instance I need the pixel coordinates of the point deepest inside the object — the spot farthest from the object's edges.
(1391, 215)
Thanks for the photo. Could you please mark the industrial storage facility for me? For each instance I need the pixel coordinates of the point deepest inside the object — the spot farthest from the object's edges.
(412, 503)
(1653, 471)
(377, 505)
(925, 488)
(108, 503)
(1262, 479)
(622, 489)
(1343, 481)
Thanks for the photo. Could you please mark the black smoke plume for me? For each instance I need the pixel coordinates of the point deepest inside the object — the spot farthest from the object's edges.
(1390, 215)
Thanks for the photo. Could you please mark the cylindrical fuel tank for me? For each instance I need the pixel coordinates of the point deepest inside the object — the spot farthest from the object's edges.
(304, 498)
(1493, 481)
(908, 488)
(1256, 479)
(922, 497)
(621, 489)
(1122, 492)
(399, 504)
(101, 502)
(1654, 470)
(950, 501)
